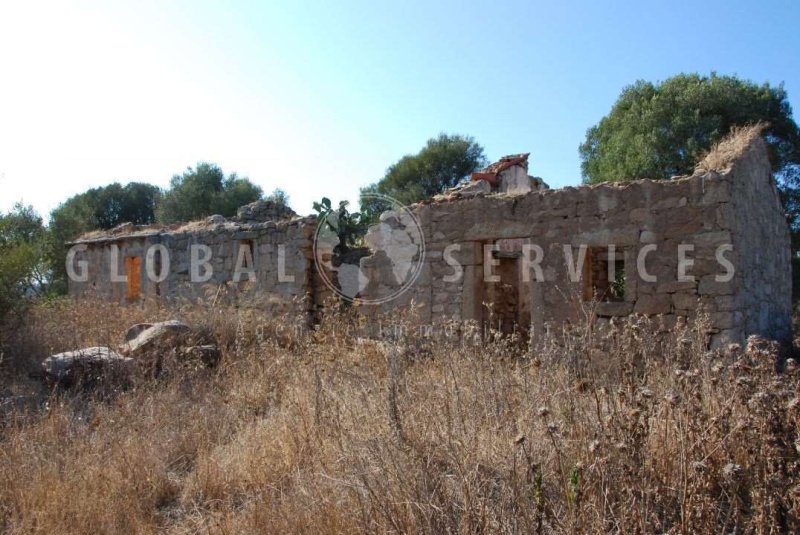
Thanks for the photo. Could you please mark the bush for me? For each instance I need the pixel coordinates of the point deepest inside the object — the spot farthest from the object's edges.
(23, 270)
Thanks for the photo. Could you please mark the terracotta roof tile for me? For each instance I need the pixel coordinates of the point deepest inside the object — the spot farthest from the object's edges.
(490, 173)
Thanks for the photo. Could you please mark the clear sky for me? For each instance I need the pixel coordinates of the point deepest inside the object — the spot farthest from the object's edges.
(319, 98)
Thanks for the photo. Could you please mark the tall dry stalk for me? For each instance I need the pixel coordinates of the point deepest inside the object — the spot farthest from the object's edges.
(590, 430)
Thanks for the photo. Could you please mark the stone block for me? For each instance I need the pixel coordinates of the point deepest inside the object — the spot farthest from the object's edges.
(606, 201)
(653, 304)
(724, 215)
(712, 239)
(468, 253)
(716, 189)
(680, 223)
(685, 301)
(514, 181)
(709, 286)
(647, 236)
(666, 323)
(723, 320)
(640, 215)
(614, 308)
(670, 202)
(676, 286)
(725, 303)
(605, 236)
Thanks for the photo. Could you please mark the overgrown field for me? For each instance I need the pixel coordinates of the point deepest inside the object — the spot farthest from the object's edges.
(327, 433)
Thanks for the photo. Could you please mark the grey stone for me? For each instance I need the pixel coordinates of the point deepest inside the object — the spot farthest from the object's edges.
(723, 320)
(515, 181)
(137, 329)
(158, 332)
(614, 308)
(73, 367)
(684, 301)
(653, 304)
(264, 210)
(676, 286)
(647, 236)
(475, 188)
(712, 239)
(709, 286)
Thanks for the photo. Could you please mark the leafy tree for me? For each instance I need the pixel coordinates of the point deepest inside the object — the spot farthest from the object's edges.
(98, 208)
(104, 208)
(23, 269)
(204, 191)
(115, 204)
(660, 130)
(278, 196)
(440, 164)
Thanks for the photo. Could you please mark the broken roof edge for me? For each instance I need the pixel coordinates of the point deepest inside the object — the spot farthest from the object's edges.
(719, 161)
(612, 184)
(733, 147)
(149, 231)
(493, 170)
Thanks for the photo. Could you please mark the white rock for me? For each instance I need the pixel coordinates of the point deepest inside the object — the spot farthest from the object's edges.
(155, 333)
(515, 180)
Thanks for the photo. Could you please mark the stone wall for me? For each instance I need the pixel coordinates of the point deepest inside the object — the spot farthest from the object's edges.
(519, 258)
(277, 284)
(262, 211)
(762, 292)
(497, 236)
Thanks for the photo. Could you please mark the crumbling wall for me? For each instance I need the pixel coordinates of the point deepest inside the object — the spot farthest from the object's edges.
(262, 211)
(508, 253)
(280, 253)
(693, 221)
(762, 288)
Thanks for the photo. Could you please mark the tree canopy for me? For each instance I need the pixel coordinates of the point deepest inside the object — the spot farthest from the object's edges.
(203, 191)
(440, 164)
(278, 196)
(23, 269)
(660, 130)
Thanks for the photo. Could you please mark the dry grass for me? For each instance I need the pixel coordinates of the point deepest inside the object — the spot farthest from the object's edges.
(723, 154)
(326, 433)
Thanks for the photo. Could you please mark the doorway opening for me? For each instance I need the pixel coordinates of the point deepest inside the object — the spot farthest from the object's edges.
(133, 271)
(505, 307)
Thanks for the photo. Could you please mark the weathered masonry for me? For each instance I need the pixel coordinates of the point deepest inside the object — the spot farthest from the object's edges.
(732, 213)
(504, 250)
(270, 245)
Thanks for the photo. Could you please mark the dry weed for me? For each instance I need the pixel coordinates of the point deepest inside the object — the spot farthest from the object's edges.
(321, 431)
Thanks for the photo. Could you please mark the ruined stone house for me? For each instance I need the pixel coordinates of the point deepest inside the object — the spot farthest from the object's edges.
(503, 249)
(268, 241)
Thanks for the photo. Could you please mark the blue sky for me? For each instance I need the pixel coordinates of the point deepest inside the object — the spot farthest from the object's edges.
(319, 98)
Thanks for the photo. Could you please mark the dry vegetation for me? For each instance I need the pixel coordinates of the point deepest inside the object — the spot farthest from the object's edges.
(325, 433)
(731, 147)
